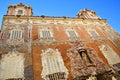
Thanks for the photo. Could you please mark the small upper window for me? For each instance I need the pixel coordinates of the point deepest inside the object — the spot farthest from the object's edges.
(20, 11)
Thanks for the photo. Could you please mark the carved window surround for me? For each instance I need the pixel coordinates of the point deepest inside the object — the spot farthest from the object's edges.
(93, 33)
(53, 65)
(45, 34)
(15, 34)
(15, 37)
(12, 66)
(111, 56)
(20, 11)
(72, 34)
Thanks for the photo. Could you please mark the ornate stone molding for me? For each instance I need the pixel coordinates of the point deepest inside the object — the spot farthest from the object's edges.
(84, 61)
(12, 65)
(53, 65)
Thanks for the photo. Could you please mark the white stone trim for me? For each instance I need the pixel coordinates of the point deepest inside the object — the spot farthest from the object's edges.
(52, 62)
(16, 34)
(45, 34)
(73, 36)
(111, 56)
(12, 66)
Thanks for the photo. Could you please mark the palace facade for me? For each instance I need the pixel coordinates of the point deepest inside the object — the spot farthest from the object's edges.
(57, 48)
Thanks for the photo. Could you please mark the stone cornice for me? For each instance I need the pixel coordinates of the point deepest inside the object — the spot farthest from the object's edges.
(48, 18)
(53, 19)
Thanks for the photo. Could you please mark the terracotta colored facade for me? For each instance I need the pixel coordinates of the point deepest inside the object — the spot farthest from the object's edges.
(80, 48)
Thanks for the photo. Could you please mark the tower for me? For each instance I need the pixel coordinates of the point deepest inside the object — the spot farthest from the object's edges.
(19, 9)
(15, 44)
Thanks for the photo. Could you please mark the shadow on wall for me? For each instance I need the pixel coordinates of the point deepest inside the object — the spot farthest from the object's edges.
(28, 73)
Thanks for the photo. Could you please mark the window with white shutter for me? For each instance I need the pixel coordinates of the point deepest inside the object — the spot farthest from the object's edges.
(93, 33)
(72, 34)
(15, 34)
(46, 34)
(15, 37)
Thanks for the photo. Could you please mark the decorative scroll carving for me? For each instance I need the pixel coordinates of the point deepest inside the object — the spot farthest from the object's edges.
(85, 62)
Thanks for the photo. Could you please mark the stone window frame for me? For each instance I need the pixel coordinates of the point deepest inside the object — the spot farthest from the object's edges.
(20, 12)
(46, 34)
(91, 35)
(53, 64)
(104, 50)
(19, 9)
(15, 34)
(16, 58)
(73, 36)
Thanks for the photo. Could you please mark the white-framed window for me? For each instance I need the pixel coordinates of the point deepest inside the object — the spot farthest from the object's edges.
(20, 12)
(93, 33)
(111, 56)
(72, 34)
(12, 65)
(112, 36)
(53, 65)
(15, 37)
(46, 34)
(15, 34)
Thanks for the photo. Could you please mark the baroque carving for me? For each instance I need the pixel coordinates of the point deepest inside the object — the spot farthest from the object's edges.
(85, 62)
(53, 65)
(12, 65)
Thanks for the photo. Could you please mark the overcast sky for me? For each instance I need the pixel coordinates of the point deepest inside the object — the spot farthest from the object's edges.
(106, 9)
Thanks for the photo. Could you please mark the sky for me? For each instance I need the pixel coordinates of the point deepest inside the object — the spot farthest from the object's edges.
(106, 9)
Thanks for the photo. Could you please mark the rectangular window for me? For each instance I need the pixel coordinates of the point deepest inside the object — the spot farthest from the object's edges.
(72, 35)
(15, 34)
(93, 33)
(111, 56)
(46, 34)
(15, 37)
(114, 38)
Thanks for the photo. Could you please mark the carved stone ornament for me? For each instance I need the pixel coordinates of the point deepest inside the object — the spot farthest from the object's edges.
(53, 65)
(12, 66)
(85, 62)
